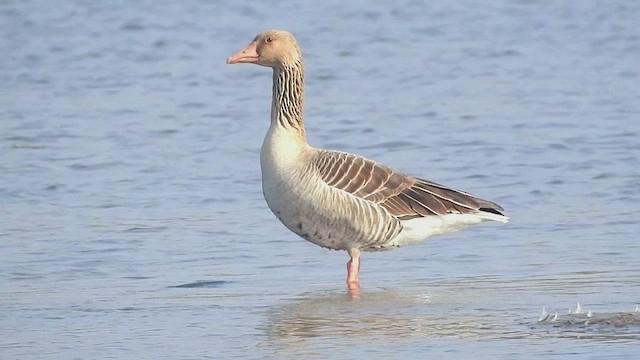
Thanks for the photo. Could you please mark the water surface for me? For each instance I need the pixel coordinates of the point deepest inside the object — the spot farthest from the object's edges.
(132, 223)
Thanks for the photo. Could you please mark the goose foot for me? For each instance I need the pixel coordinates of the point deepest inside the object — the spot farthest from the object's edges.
(353, 268)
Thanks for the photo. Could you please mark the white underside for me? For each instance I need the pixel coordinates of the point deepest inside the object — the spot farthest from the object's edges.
(416, 230)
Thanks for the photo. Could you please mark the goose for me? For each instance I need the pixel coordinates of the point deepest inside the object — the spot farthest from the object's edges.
(338, 200)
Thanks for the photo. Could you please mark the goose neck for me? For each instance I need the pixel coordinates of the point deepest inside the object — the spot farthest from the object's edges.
(288, 93)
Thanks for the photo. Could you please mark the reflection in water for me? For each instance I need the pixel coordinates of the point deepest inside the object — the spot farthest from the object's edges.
(452, 308)
(366, 317)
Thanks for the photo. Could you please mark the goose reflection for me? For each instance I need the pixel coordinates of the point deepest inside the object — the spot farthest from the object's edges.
(475, 308)
(374, 317)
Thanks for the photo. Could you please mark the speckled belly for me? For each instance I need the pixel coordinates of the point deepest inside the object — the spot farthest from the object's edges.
(330, 218)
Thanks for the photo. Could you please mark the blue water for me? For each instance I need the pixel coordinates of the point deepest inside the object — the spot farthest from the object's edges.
(132, 224)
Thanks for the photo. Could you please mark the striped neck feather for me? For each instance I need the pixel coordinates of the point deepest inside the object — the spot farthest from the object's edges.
(288, 92)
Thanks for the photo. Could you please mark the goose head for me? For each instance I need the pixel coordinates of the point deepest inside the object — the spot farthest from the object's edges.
(273, 48)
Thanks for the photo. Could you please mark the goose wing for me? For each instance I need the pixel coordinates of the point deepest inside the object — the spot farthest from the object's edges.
(403, 196)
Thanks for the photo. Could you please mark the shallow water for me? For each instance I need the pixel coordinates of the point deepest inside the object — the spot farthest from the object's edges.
(132, 223)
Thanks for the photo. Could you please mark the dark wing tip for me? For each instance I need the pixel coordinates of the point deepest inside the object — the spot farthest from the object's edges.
(496, 210)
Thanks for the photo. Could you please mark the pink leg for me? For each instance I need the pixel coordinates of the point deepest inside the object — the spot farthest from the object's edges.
(353, 268)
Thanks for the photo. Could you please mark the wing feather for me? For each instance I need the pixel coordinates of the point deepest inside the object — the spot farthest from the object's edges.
(403, 196)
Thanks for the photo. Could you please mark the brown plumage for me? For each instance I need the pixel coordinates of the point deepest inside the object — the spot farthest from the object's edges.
(403, 196)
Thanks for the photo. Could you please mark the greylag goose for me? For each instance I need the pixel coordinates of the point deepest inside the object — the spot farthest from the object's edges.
(339, 200)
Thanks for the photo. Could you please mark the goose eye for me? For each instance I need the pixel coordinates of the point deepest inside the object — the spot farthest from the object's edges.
(269, 39)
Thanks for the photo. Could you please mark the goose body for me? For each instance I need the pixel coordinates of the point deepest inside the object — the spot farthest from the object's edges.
(338, 200)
